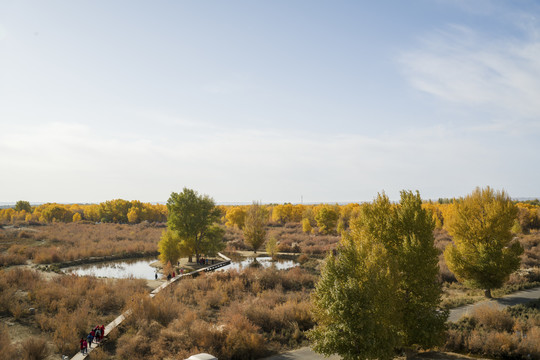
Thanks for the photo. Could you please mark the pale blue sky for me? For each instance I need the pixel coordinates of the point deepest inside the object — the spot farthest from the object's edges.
(267, 100)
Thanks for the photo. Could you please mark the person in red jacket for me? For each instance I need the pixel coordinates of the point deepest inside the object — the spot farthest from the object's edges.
(82, 345)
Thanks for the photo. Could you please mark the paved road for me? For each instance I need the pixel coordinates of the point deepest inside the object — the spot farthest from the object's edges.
(520, 297)
(516, 298)
(304, 353)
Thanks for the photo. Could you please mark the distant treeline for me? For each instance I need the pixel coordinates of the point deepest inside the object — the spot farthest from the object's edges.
(321, 218)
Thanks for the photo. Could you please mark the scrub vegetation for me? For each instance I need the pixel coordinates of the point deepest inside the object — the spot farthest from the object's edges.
(236, 314)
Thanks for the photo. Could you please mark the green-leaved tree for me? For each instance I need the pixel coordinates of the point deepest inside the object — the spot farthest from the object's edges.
(23, 205)
(190, 216)
(355, 303)
(405, 232)
(483, 255)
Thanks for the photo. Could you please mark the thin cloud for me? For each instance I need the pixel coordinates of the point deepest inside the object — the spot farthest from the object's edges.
(498, 76)
(239, 165)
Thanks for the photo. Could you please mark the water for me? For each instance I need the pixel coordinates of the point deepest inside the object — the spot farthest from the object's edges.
(136, 268)
(264, 261)
(141, 269)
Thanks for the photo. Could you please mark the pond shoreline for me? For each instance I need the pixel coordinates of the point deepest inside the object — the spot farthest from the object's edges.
(107, 258)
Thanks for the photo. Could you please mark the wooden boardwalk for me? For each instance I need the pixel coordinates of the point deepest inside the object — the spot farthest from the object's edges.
(116, 322)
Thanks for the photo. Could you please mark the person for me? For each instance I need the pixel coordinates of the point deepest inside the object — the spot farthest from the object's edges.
(85, 345)
(169, 277)
(173, 274)
(102, 328)
(182, 271)
(82, 345)
(156, 275)
(98, 334)
(90, 338)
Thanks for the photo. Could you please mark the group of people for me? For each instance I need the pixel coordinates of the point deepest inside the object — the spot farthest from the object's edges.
(96, 335)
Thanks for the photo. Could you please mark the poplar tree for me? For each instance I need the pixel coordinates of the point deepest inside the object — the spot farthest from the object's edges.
(190, 216)
(483, 255)
(254, 226)
(400, 239)
(355, 303)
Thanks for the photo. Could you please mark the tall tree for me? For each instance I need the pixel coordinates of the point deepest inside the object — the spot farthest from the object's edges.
(254, 226)
(483, 255)
(405, 232)
(191, 215)
(213, 240)
(420, 292)
(355, 304)
(23, 205)
(327, 218)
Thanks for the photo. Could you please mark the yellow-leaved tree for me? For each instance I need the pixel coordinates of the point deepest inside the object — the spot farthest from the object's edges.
(255, 226)
(483, 255)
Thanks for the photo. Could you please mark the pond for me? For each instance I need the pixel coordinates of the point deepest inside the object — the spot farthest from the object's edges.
(264, 261)
(141, 269)
(121, 269)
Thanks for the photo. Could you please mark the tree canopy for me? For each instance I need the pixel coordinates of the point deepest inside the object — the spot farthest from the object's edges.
(254, 226)
(483, 254)
(355, 304)
(190, 216)
(400, 239)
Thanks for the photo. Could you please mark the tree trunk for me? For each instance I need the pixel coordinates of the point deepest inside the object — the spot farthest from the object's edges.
(190, 258)
(487, 293)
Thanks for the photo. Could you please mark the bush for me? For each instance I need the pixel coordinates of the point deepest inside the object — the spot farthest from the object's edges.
(7, 350)
(35, 349)
(490, 318)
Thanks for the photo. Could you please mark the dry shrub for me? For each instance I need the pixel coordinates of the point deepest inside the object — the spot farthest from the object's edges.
(296, 278)
(490, 318)
(214, 299)
(60, 242)
(492, 343)
(66, 333)
(455, 340)
(231, 314)
(302, 259)
(242, 340)
(12, 259)
(99, 354)
(35, 349)
(133, 347)
(17, 310)
(296, 313)
(530, 344)
(7, 349)
(144, 310)
(207, 336)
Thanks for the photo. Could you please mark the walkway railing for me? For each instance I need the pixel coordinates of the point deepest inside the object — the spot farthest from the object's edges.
(114, 324)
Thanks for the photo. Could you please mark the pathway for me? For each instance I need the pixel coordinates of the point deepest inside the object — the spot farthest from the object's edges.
(516, 298)
(114, 324)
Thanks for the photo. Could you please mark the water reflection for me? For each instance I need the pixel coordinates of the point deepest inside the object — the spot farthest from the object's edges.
(133, 268)
(141, 269)
(264, 261)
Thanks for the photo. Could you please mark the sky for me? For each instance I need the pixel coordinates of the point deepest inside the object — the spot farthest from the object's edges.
(271, 101)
